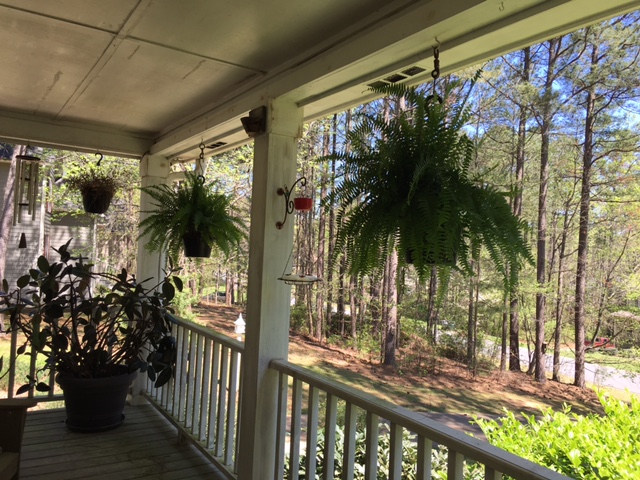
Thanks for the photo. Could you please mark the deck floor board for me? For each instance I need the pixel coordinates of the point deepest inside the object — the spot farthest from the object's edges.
(145, 447)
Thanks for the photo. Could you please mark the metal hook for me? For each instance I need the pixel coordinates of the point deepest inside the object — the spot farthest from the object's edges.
(100, 157)
(288, 203)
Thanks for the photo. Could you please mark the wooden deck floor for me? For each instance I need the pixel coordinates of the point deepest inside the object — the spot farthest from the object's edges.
(145, 446)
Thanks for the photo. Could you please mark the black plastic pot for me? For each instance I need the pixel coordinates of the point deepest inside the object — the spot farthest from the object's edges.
(96, 199)
(431, 259)
(95, 404)
(195, 246)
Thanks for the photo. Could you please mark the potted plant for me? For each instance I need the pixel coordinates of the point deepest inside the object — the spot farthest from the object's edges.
(405, 184)
(97, 184)
(195, 216)
(95, 331)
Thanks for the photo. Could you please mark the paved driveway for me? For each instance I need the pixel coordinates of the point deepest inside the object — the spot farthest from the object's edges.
(597, 375)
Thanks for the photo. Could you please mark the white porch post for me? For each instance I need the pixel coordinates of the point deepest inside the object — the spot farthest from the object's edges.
(154, 170)
(268, 299)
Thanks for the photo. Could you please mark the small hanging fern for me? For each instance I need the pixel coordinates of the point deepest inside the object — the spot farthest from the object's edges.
(405, 184)
(193, 206)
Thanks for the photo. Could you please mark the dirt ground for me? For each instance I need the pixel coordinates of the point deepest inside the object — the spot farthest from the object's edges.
(450, 389)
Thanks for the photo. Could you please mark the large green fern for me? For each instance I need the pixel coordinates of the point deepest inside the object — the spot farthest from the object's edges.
(405, 184)
(193, 206)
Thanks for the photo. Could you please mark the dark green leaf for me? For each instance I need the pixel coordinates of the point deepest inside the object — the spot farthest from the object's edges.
(42, 387)
(178, 282)
(43, 264)
(23, 281)
(168, 291)
(164, 377)
(24, 388)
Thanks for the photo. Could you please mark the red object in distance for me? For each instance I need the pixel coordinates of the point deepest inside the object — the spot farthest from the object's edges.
(302, 203)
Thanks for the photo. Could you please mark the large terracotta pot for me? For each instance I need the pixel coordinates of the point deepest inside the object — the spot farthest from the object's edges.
(95, 404)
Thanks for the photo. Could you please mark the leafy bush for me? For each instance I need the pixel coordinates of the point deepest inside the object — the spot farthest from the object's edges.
(298, 319)
(409, 458)
(581, 447)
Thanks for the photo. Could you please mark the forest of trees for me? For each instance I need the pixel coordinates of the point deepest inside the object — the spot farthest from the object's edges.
(556, 127)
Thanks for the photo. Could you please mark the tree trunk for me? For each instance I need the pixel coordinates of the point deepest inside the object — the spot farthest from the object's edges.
(514, 324)
(391, 310)
(583, 232)
(352, 305)
(332, 221)
(559, 304)
(541, 276)
(471, 346)
(432, 314)
(503, 339)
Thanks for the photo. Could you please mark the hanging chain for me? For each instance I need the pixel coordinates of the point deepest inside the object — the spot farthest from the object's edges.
(200, 162)
(435, 73)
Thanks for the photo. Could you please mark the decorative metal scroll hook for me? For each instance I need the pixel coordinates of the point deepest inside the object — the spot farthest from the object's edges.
(288, 203)
(100, 157)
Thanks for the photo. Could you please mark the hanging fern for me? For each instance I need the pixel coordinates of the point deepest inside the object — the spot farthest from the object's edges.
(405, 184)
(193, 206)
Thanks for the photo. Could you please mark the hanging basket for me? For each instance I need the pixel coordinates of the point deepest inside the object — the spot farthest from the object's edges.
(195, 246)
(96, 199)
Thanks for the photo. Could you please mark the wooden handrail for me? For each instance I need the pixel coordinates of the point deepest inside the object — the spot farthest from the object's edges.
(470, 447)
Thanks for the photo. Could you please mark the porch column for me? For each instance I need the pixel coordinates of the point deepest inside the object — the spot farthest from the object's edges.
(154, 170)
(268, 299)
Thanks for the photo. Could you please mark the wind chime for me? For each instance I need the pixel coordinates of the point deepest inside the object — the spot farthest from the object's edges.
(26, 190)
(25, 193)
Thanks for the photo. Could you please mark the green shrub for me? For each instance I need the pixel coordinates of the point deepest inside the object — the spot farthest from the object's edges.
(409, 458)
(182, 302)
(299, 318)
(581, 447)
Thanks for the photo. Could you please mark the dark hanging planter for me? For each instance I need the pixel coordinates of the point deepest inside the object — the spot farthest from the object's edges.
(195, 246)
(96, 199)
(431, 259)
(95, 404)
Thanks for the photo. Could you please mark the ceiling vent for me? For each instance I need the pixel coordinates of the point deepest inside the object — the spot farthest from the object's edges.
(397, 77)
(216, 145)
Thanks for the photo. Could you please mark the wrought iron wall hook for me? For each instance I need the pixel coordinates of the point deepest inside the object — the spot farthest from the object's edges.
(100, 157)
(288, 202)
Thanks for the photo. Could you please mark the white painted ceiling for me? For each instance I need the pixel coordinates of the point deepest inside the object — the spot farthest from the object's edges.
(160, 76)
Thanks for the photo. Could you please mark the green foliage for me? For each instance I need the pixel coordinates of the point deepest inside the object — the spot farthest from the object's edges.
(298, 319)
(409, 458)
(182, 303)
(581, 447)
(91, 334)
(86, 175)
(194, 206)
(406, 184)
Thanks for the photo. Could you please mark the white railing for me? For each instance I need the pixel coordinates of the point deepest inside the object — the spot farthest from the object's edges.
(16, 377)
(305, 394)
(202, 399)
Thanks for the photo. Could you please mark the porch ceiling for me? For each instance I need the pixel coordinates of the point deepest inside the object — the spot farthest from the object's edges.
(159, 76)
